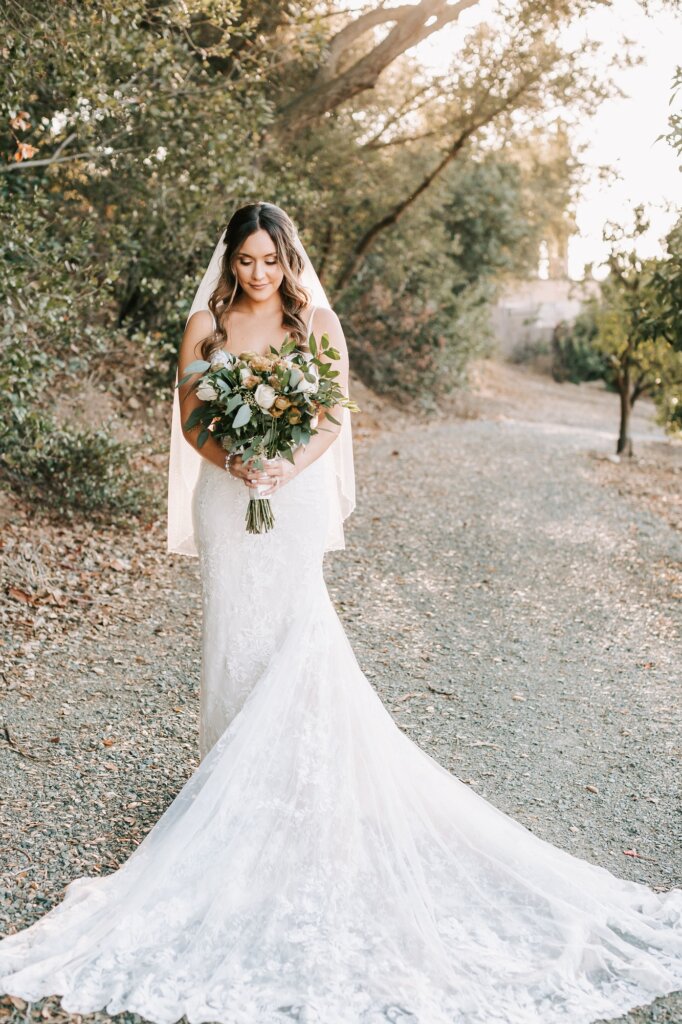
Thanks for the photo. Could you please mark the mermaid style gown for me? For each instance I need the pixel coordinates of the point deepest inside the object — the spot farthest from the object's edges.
(318, 866)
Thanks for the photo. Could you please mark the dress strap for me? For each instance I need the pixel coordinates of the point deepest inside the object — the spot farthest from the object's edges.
(310, 322)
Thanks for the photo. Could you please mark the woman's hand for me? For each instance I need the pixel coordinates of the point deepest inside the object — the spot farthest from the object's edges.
(279, 471)
(247, 472)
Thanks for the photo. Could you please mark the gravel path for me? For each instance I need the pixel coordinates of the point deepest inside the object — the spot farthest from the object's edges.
(518, 618)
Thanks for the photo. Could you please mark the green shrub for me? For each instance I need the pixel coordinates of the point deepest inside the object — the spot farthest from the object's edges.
(72, 472)
(66, 469)
(575, 356)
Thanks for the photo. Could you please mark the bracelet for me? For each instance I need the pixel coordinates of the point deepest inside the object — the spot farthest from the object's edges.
(228, 461)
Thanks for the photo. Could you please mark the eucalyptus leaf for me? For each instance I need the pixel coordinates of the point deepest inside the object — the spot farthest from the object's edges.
(198, 366)
(242, 417)
(196, 416)
(202, 438)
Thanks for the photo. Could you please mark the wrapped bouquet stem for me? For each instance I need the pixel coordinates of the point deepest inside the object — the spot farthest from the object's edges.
(259, 516)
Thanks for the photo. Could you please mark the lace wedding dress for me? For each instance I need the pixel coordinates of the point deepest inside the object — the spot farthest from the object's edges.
(318, 866)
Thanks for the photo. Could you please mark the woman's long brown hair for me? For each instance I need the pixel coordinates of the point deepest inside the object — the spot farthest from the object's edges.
(244, 222)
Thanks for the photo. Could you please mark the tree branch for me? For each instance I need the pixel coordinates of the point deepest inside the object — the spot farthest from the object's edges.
(435, 133)
(411, 105)
(346, 36)
(399, 209)
(415, 23)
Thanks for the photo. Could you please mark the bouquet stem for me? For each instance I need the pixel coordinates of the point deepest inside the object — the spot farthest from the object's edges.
(259, 517)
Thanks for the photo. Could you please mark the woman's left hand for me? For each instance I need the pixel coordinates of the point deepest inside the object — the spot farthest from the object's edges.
(280, 471)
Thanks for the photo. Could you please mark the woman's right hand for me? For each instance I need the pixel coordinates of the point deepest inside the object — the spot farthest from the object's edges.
(247, 472)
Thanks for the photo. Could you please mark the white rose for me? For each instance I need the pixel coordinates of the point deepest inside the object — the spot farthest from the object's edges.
(206, 392)
(222, 358)
(309, 386)
(265, 396)
(245, 372)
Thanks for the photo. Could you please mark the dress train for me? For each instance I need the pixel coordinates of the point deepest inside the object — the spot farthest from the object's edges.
(318, 866)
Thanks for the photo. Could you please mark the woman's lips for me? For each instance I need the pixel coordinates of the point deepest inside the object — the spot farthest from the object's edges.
(259, 285)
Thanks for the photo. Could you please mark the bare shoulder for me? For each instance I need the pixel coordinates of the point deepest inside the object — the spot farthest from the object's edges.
(199, 326)
(325, 321)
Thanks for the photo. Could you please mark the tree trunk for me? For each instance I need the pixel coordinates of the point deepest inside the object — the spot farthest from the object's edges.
(624, 446)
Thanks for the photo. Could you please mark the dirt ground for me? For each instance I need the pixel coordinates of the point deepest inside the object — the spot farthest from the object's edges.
(511, 591)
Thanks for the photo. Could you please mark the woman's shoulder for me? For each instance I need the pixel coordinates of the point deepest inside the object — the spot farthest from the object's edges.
(199, 327)
(323, 317)
(202, 319)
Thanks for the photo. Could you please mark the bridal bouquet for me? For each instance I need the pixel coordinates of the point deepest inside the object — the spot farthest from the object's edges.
(264, 406)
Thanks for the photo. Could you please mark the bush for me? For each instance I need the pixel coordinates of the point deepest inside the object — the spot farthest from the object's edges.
(575, 356)
(68, 469)
(73, 472)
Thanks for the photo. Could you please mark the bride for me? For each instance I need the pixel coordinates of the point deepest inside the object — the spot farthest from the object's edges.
(318, 866)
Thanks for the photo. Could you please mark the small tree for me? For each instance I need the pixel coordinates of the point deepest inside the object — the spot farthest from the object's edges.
(639, 326)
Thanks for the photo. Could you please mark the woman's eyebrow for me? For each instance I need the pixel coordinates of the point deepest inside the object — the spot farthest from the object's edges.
(250, 257)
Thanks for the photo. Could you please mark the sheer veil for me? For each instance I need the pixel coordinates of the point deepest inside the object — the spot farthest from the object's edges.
(184, 461)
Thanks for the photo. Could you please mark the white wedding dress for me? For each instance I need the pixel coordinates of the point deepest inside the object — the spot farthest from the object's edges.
(318, 866)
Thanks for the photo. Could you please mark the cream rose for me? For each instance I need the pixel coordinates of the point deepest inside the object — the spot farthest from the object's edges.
(206, 392)
(221, 358)
(265, 396)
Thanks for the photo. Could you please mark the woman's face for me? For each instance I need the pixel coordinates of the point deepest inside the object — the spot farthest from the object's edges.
(257, 267)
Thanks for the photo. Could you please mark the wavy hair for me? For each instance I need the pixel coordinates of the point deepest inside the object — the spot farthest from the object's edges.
(243, 223)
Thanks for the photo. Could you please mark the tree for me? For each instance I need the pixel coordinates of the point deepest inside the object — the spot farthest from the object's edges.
(639, 325)
(347, 72)
(130, 129)
(505, 84)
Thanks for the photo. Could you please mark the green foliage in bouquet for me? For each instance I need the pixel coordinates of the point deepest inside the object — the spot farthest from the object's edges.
(265, 406)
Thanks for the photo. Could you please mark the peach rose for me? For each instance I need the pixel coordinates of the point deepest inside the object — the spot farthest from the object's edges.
(261, 364)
